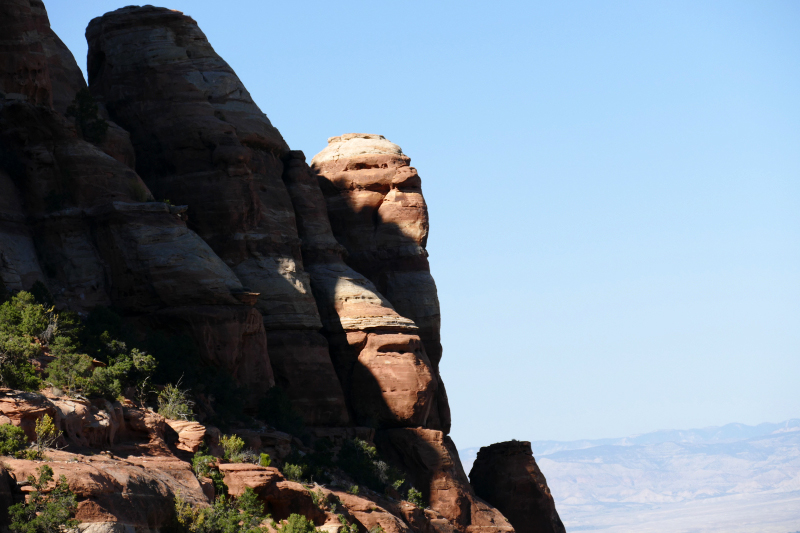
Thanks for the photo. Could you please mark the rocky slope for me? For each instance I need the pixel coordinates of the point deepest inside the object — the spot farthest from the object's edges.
(164, 192)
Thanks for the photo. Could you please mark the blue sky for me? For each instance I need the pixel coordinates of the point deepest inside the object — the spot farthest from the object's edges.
(614, 190)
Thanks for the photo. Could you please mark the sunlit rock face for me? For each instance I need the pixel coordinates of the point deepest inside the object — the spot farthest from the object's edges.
(379, 358)
(377, 212)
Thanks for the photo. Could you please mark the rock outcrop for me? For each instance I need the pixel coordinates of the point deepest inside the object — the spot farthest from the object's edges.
(432, 459)
(377, 212)
(506, 475)
(314, 278)
(204, 143)
(84, 223)
(378, 356)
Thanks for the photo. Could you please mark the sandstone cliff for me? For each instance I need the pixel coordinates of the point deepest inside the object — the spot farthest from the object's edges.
(165, 192)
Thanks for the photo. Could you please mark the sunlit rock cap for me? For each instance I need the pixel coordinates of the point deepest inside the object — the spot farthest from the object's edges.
(352, 145)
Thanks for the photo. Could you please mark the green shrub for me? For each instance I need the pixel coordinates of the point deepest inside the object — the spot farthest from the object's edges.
(264, 460)
(347, 527)
(12, 439)
(174, 403)
(376, 529)
(228, 515)
(16, 369)
(361, 461)
(318, 498)
(232, 446)
(127, 368)
(70, 372)
(297, 524)
(23, 316)
(90, 124)
(415, 497)
(204, 465)
(49, 512)
(294, 472)
(354, 490)
(47, 434)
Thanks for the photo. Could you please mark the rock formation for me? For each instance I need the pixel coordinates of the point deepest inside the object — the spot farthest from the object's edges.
(204, 143)
(164, 192)
(379, 215)
(378, 356)
(506, 475)
(433, 461)
(81, 221)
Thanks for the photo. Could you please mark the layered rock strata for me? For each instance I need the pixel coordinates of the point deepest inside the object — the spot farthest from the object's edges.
(312, 277)
(200, 140)
(80, 220)
(378, 355)
(506, 475)
(377, 212)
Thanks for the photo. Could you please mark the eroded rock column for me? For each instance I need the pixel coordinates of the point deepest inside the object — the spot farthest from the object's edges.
(200, 140)
(379, 357)
(506, 475)
(379, 215)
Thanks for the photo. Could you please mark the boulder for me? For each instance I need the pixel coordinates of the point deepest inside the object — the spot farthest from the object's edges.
(506, 475)
(281, 498)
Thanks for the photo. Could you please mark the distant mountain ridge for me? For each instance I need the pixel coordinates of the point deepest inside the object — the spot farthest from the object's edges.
(731, 478)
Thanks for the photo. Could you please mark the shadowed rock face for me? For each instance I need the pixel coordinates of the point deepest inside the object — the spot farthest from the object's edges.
(201, 141)
(377, 212)
(432, 459)
(506, 475)
(79, 220)
(24, 74)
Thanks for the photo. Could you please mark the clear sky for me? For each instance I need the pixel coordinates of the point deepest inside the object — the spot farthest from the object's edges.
(614, 190)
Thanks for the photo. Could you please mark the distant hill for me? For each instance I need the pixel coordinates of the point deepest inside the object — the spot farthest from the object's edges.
(733, 478)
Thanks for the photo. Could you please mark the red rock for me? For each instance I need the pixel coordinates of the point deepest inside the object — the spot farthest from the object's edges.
(19, 265)
(24, 409)
(231, 338)
(431, 459)
(190, 435)
(6, 496)
(100, 245)
(134, 493)
(281, 498)
(370, 514)
(379, 359)
(217, 153)
(88, 424)
(506, 475)
(377, 212)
